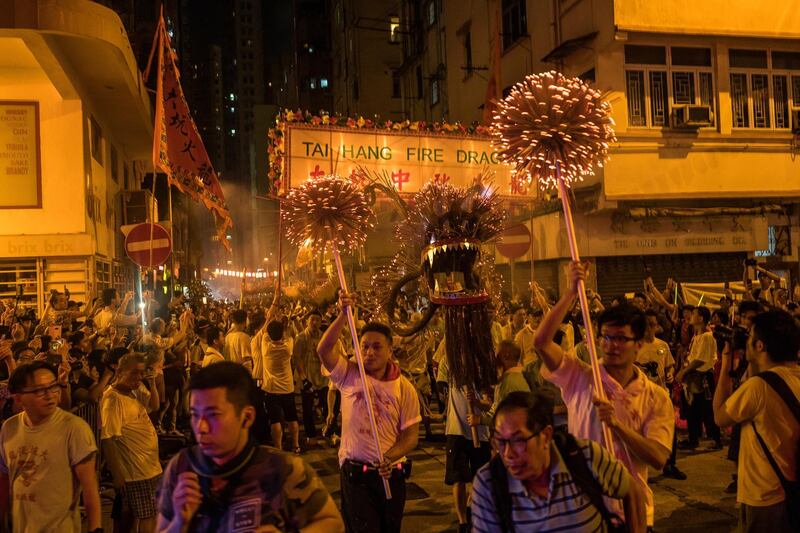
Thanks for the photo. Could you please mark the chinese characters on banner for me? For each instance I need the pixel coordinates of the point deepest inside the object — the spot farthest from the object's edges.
(409, 159)
(178, 149)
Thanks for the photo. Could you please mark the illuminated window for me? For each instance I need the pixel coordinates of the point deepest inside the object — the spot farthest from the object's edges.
(394, 29)
(434, 92)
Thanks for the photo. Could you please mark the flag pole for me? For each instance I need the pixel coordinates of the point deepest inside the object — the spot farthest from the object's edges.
(587, 320)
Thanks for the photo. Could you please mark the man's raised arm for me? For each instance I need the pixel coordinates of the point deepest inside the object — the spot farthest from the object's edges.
(550, 352)
(325, 348)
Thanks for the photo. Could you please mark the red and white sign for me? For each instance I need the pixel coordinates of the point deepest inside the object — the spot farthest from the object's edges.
(138, 245)
(514, 242)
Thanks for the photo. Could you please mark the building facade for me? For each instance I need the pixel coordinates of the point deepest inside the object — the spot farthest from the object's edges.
(366, 53)
(706, 100)
(74, 159)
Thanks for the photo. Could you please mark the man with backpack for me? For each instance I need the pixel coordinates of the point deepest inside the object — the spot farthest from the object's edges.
(546, 480)
(767, 407)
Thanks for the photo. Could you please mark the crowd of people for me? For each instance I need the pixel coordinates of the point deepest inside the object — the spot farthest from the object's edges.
(186, 414)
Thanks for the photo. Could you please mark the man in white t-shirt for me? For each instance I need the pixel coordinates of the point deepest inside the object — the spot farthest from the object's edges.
(515, 323)
(364, 505)
(638, 412)
(113, 312)
(130, 443)
(697, 375)
(278, 383)
(656, 361)
(773, 346)
(237, 341)
(214, 343)
(47, 457)
(524, 337)
(655, 357)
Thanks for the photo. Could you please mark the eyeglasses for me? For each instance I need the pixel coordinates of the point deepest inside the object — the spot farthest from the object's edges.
(519, 445)
(41, 392)
(616, 339)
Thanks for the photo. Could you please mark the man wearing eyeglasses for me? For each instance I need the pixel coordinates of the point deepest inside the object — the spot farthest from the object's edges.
(546, 480)
(46, 455)
(638, 412)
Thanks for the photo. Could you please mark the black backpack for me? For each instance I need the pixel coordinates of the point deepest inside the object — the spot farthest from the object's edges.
(581, 473)
(791, 488)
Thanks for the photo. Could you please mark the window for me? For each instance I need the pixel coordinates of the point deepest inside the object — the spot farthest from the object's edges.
(515, 21)
(419, 82)
(764, 88)
(114, 162)
(657, 77)
(102, 274)
(394, 30)
(434, 92)
(355, 87)
(323, 83)
(312, 83)
(466, 40)
(431, 12)
(396, 87)
(96, 135)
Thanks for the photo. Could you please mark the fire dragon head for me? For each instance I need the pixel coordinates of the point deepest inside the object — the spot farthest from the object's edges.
(439, 250)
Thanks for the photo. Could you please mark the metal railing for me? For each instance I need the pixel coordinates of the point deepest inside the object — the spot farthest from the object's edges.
(90, 412)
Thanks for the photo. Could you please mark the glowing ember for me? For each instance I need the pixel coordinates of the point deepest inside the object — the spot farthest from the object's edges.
(549, 119)
(325, 211)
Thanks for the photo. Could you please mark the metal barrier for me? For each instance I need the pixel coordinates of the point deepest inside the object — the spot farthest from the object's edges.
(90, 412)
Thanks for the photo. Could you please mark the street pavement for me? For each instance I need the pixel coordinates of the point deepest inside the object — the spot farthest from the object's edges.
(697, 504)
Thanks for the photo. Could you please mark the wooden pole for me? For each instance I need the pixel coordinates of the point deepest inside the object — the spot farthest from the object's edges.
(360, 360)
(533, 279)
(587, 321)
(476, 443)
(172, 238)
(280, 249)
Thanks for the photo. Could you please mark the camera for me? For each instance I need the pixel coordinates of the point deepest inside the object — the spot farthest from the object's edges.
(56, 345)
(736, 336)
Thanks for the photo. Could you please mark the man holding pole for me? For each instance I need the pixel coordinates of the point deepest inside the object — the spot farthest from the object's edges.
(365, 506)
(638, 412)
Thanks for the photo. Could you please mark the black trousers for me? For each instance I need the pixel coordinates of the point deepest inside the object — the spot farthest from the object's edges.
(309, 396)
(701, 413)
(365, 508)
(673, 456)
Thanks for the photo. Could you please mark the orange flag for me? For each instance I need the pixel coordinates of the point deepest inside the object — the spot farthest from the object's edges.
(492, 89)
(178, 150)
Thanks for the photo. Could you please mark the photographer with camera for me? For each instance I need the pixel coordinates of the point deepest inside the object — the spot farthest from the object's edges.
(227, 479)
(697, 376)
(768, 410)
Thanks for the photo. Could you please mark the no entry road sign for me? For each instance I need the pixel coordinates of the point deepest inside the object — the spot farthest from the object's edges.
(514, 241)
(138, 245)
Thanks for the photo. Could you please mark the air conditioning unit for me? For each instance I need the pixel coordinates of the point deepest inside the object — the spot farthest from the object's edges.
(796, 120)
(139, 206)
(692, 116)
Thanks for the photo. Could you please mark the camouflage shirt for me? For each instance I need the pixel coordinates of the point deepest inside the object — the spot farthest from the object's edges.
(275, 489)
